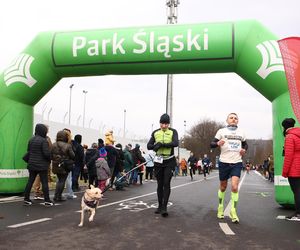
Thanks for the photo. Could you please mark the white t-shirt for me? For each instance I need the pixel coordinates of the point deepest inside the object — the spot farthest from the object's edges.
(230, 151)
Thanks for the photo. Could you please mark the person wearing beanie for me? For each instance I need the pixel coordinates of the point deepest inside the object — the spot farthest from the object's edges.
(233, 145)
(103, 171)
(163, 141)
(291, 163)
(164, 119)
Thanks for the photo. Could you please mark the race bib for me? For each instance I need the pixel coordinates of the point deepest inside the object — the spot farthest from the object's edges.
(158, 159)
(234, 145)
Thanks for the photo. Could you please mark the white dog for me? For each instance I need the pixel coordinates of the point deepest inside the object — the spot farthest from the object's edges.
(89, 202)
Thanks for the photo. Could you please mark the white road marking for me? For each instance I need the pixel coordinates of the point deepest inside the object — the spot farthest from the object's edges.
(153, 193)
(224, 226)
(226, 229)
(280, 217)
(29, 223)
(9, 198)
(258, 173)
(54, 204)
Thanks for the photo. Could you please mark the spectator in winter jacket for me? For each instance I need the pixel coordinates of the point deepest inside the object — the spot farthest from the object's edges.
(109, 138)
(183, 167)
(112, 155)
(291, 164)
(128, 161)
(91, 155)
(61, 150)
(149, 165)
(103, 171)
(39, 162)
(79, 161)
(70, 191)
(271, 168)
(37, 185)
(137, 159)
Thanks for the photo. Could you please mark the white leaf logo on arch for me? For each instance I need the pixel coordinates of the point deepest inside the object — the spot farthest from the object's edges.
(19, 71)
(272, 59)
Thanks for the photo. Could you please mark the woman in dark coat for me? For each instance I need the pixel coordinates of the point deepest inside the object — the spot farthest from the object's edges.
(38, 163)
(61, 151)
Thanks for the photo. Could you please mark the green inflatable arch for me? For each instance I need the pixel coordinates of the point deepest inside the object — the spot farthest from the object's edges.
(244, 47)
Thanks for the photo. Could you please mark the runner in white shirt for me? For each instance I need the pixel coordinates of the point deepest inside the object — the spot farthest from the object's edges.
(232, 142)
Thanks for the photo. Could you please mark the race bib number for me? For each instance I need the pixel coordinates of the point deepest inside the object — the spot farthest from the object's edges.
(234, 146)
(158, 159)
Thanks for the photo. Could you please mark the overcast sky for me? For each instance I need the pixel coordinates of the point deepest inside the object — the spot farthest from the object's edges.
(195, 96)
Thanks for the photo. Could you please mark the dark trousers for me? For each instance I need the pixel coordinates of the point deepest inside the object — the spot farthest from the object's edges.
(75, 177)
(60, 185)
(164, 173)
(93, 180)
(44, 180)
(205, 171)
(191, 172)
(295, 186)
(149, 171)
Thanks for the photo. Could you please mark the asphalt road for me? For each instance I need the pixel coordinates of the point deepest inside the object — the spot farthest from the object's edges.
(126, 220)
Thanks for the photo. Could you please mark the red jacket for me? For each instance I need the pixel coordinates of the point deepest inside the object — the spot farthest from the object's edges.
(291, 164)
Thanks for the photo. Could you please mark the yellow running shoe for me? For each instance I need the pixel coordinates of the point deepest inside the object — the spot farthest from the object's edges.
(233, 216)
(220, 214)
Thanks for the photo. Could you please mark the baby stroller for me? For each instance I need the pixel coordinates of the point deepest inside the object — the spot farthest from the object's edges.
(120, 183)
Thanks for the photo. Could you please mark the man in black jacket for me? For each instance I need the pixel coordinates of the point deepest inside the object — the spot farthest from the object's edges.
(39, 162)
(79, 161)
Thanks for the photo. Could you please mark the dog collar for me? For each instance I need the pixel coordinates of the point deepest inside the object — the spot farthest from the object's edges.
(91, 204)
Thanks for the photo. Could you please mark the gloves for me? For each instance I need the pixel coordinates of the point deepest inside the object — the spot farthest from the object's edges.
(157, 146)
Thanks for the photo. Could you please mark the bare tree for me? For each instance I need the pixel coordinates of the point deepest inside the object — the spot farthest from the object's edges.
(259, 150)
(199, 137)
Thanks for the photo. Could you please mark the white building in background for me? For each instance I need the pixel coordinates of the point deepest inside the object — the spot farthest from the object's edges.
(90, 135)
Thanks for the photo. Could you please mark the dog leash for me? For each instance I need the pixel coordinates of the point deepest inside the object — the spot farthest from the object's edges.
(120, 178)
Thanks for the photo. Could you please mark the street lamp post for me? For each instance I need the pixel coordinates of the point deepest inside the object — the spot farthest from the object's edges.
(78, 119)
(84, 101)
(184, 124)
(65, 116)
(124, 128)
(90, 122)
(50, 110)
(43, 110)
(171, 19)
(70, 102)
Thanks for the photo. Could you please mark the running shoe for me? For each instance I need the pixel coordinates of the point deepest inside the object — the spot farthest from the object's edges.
(220, 214)
(233, 216)
(164, 213)
(294, 217)
(157, 211)
(27, 202)
(48, 204)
